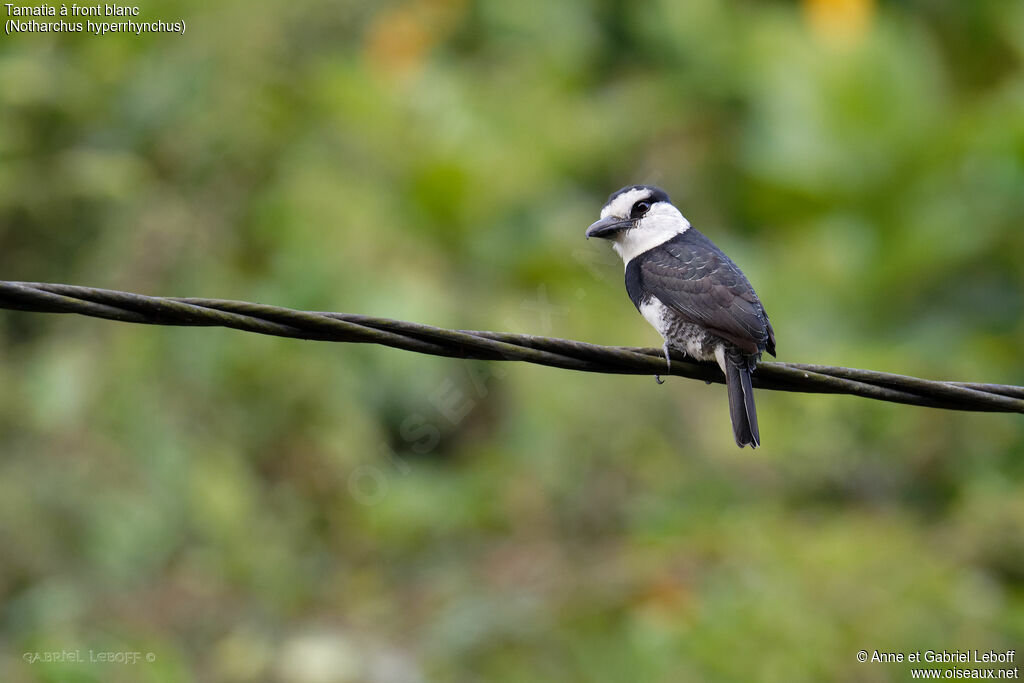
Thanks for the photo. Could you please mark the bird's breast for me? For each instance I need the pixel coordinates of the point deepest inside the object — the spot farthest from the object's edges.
(655, 313)
(681, 334)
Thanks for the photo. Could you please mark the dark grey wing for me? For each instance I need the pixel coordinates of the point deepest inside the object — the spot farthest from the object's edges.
(693, 277)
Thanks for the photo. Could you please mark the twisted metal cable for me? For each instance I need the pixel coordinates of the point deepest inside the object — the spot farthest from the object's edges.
(496, 346)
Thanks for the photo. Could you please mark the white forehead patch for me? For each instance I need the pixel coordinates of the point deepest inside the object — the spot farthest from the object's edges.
(621, 205)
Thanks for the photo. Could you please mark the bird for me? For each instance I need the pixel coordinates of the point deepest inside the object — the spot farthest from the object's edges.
(698, 300)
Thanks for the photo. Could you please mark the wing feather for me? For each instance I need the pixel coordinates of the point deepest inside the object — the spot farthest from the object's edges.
(692, 276)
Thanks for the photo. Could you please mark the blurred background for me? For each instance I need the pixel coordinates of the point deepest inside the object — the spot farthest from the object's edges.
(249, 508)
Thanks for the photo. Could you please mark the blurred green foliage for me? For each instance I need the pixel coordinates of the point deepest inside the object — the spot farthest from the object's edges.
(251, 508)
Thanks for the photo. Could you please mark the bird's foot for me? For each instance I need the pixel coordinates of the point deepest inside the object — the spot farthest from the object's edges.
(668, 361)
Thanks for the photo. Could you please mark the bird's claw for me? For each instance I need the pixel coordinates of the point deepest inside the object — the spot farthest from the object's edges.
(668, 362)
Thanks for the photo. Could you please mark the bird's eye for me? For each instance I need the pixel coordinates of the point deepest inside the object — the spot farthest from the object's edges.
(640, 208)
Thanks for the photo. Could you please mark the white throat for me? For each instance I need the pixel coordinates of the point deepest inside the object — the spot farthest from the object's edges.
(660, 224)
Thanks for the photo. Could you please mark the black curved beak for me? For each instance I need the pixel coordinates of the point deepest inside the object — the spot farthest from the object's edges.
(607, 227)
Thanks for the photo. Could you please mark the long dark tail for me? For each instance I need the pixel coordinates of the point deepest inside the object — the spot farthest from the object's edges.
(741, 402)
